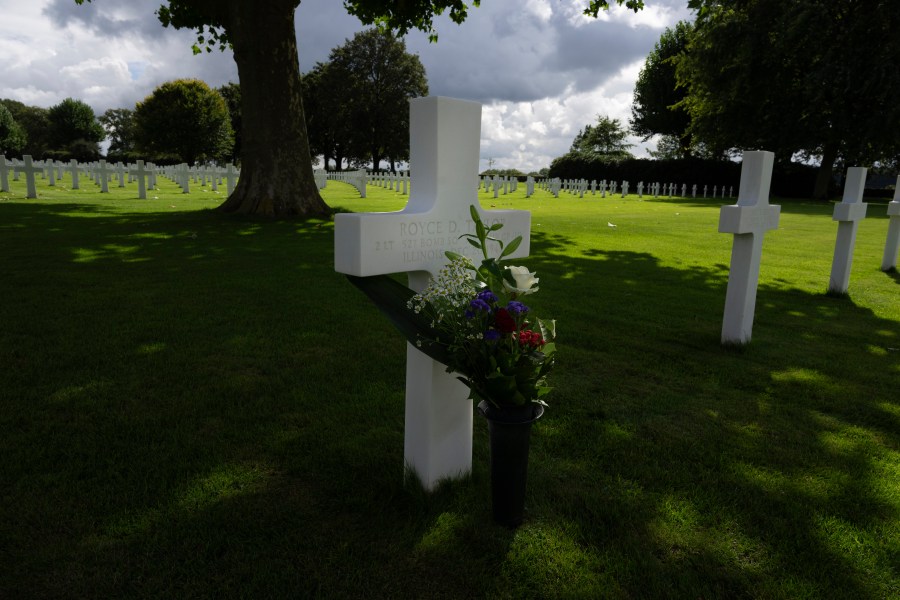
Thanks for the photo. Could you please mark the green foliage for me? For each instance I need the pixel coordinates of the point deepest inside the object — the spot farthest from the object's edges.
(504, 173)
(186, 119)
(791, 77)
(74, 131)
(605, 139)
(35, 122)
(656, 109)
(379, 78)
(668, 147)
(119, 126)
(231, 92)
(328, 117)
(12, 136)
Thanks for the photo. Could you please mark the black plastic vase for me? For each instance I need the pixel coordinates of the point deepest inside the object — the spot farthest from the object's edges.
(509, 429)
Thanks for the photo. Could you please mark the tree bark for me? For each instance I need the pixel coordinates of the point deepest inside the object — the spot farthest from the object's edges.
(823, 177)
(276, 167)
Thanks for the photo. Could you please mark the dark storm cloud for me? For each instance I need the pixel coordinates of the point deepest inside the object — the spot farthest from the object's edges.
(112, 18)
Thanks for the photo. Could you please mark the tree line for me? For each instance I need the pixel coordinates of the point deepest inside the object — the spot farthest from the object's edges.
(812, 82)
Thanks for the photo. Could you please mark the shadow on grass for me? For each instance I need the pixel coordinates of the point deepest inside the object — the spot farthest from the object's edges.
(200, 406)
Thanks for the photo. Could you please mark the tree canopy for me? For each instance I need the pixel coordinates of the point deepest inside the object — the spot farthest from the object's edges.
(604, 139)
(118, 123)
(184, 120)
(74, 131)
(804, 76)
(35, 123)
(379, 78)
(657, 108)
(12, 136)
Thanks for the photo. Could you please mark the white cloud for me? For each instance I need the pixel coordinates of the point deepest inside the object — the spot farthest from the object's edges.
(541, 68)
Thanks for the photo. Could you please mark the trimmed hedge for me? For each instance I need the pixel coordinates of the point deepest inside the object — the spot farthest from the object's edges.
(792, 181)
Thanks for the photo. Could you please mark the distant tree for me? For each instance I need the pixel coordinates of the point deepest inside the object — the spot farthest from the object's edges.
(668, 147)
(232, 93)
(381, 77)
(74, 130)
(328, 119)
(119, 126)
(802, 76)
(656, 108)
(12, 136)
(185, 120)
(35, 122)
(604, 139)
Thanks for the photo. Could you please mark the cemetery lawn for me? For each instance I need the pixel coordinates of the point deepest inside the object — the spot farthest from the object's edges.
(195, 405)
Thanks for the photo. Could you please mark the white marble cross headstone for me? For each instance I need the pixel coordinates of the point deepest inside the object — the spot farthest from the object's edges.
(72, 168)
(141, 172)
(29, 169)
(4, 174)
(849, 212)
(444, 147)
(231, 177)
(103, 172)
(748, 220)
(892, 246)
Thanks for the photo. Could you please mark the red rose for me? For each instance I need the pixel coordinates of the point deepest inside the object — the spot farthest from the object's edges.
(530, 339)
(504, 322)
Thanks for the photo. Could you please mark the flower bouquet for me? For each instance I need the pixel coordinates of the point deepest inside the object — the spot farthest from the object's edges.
(471, 319)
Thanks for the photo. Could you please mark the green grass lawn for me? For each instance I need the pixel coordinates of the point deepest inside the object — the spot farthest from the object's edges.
(195, 405)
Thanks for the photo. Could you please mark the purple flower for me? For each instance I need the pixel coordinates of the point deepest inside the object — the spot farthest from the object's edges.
(479, 304)
(487, 296)
(516, 308)
(491, 335)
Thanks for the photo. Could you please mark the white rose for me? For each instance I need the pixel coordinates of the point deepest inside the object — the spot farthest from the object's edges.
(526, 282)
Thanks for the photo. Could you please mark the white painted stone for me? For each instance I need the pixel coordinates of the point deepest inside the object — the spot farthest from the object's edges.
(140, 173)
(103, 172)
(29, 169)
(72, 169)
(444, 146)
(849, 212)
(4, 174)
(892, 245)
(748, 220)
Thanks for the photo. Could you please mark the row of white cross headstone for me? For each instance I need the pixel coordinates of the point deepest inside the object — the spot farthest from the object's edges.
(444, 143)
(580, 187)
(102, 173)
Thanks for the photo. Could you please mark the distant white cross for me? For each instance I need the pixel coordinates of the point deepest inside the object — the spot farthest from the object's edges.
(892, 246)
(103, 172)
(748, 220)
(140, 172)
(4, 174)
(29, 169)
(848, 213)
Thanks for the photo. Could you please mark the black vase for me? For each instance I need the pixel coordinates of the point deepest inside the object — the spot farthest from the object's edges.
(509, 429)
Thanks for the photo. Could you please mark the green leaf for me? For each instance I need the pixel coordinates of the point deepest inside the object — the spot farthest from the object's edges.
(474, 243)
(474, 212)
(511, 247)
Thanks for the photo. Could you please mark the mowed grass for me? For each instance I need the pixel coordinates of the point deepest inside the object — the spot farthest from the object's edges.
(194, 405)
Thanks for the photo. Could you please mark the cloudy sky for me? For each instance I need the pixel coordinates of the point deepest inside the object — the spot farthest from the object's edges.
(541, 69)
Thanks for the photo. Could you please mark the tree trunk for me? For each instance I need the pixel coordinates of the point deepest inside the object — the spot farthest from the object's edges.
(276, 167)
(823, 177)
